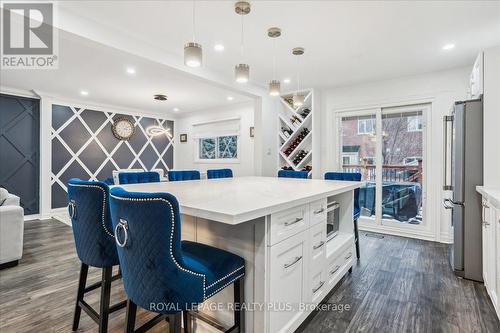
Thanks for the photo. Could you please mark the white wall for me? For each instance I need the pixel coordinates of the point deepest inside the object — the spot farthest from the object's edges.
(441, 89)
(184, 153)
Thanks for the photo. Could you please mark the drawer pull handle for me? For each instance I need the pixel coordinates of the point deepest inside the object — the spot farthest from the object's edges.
(348, 256)
(296, 260)
(317, 246)
(318, 287)
(319, 211)
(333, 271)
(297, 220)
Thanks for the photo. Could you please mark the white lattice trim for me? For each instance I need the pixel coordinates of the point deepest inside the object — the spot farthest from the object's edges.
(104, 196)
(225, 277)
(224, 286)
(171, 235)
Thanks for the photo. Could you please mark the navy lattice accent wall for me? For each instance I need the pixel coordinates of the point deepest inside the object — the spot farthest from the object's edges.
(83, 146)
(20, 149)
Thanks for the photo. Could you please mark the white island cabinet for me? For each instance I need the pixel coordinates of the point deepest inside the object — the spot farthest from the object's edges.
(279, 226)
(491, 243)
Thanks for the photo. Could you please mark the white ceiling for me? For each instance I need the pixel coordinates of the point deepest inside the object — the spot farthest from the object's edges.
(101, 71)
(346, 42)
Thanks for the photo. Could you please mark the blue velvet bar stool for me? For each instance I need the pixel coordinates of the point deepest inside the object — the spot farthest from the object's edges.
(219, 173)
(138, 177)
(158, 268)
(293, 174)
(178, 175)
(95, 245)
(350, 176)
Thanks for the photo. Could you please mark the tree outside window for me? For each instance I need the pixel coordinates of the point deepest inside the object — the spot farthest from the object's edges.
(222, 147)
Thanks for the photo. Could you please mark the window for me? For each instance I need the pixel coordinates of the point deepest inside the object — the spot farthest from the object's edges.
(366, 126)
(414, 123)
(222, 147)
(346, 160)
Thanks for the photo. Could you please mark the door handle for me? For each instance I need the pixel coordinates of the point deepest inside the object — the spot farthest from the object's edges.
(321, 283)
(446, 206)
(484, 206)
(446, 186)
(455, 203)
(296, 260)
(297, 220)
(348, 256)
(317, 246)
(319, 211)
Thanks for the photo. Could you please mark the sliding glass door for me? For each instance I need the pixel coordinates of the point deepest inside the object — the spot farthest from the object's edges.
(387, 146)
(402, 165)
(358, 150)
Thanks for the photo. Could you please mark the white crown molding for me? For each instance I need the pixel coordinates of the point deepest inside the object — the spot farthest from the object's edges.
(94, 105)
(18, 92)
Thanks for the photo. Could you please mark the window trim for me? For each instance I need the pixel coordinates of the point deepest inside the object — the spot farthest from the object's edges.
(199, 160)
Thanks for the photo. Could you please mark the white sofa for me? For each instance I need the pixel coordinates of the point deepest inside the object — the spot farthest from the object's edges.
(11, 231)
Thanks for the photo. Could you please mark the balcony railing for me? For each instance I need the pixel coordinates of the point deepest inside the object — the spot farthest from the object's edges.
(390, 173)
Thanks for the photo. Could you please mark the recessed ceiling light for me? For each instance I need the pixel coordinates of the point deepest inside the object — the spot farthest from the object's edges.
(130, 70)
(230, 98)
(287, 80)
(84, 93)
(176, 109)
(219, 47)
(448, 46)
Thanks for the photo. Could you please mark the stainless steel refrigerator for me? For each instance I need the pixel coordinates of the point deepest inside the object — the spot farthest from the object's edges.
(464, 127)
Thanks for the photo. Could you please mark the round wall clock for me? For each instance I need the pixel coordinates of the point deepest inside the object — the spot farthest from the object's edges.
(123, 129)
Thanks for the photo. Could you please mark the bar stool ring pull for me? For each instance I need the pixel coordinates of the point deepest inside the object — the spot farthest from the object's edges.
(123, 225)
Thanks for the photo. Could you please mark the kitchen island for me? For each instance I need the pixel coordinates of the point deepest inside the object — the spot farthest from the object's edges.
(279, 226)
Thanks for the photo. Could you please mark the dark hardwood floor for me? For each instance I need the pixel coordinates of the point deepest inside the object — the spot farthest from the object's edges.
(399, 285)
(405, 285)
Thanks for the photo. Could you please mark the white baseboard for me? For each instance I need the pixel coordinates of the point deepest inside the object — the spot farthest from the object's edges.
(61, 214)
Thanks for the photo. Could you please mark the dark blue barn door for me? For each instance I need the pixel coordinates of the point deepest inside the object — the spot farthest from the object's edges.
(20, 149)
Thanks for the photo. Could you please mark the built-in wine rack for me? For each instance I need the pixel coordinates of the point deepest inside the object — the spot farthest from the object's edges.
(295, 133)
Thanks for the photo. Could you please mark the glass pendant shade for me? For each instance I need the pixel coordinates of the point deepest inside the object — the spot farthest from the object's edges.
(274, 88)
(298, 100)
(242, 73)
(193, 54)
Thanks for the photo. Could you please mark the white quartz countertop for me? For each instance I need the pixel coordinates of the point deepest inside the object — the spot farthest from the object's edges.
(240, 199)
(491, 193)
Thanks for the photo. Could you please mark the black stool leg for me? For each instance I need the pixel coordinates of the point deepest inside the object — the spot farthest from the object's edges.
(107, 273)
(186, 321)
(174, 323)
(79, 296)
(130, 317)
(239, 318)
(356, 237)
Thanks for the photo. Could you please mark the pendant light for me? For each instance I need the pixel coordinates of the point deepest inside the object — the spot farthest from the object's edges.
(242, 71)
(298, 98)
(274, 85)
(193, 54)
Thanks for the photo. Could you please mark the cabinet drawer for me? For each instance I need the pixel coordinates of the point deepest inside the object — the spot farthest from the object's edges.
(318, 285)
(286, 280)
(318, 211)
(348, 255)
(288, 223)
(317, 243)
(338, 262)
